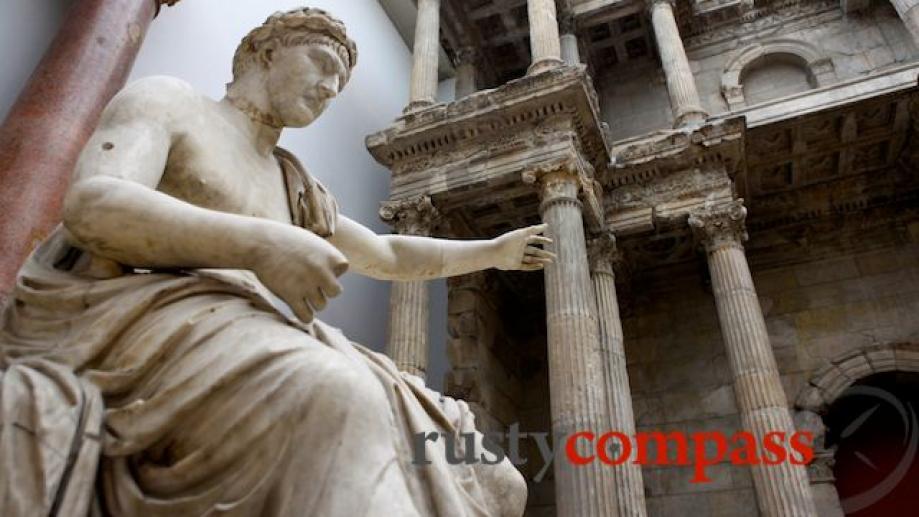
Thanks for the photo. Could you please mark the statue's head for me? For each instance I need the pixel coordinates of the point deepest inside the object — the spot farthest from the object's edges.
(303, 58)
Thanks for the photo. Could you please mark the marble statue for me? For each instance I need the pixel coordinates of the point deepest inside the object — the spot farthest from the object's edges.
(149, 366)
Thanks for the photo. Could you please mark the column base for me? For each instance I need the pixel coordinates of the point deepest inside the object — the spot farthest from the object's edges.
(690, 117)
(418, 105)
(544, 65)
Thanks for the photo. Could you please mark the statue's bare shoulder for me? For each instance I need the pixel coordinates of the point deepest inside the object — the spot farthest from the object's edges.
(161, 133)
(137, 129)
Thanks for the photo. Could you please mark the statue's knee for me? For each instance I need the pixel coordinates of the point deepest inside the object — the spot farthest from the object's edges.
(340, 380)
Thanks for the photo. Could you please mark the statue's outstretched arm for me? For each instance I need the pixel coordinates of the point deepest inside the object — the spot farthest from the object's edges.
(404, 257)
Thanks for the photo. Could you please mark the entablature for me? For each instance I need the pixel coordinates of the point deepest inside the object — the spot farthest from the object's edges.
(470, 155)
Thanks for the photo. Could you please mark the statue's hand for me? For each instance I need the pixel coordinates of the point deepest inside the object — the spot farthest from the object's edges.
(301, 268)
(518, 249)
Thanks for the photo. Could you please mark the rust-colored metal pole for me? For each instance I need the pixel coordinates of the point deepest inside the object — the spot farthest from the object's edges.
(55, 114)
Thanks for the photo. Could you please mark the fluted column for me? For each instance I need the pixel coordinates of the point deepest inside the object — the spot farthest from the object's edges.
(466, 72)
(544, 42)
(55, 114)
(577, 397)
(681, 85)
(407, 339)
(571, 55)
(782, 490)
(602, 250)
(425, 54)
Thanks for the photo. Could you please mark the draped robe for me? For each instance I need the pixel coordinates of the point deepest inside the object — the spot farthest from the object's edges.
(194, 392)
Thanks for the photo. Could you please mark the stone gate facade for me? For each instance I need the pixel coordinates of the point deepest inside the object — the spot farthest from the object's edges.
(732, 189)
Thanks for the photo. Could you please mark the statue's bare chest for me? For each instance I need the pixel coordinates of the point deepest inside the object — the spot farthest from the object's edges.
(219, 170)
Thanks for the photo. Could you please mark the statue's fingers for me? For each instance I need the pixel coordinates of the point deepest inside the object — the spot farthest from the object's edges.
(302, 309)
(539, 252)
(537, 229)
(542, 260)
(531, 267)
(539, 239)
(317, 299)
(330, 286)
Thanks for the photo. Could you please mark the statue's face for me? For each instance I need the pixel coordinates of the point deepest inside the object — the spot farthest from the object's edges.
(302, 80)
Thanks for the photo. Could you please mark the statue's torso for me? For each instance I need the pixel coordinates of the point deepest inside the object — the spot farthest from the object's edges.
(214, 164)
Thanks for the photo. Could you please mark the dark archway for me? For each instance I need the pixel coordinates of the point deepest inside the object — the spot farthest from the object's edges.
(873, 427)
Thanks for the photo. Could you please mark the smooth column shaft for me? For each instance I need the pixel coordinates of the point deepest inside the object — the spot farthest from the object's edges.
(681, 85)
(426, 53)
(465, 80)
(544, 39)
(782, 490)
(578, 402)
(55, 114)
(570, 53)
(407, 343)
(630, 493)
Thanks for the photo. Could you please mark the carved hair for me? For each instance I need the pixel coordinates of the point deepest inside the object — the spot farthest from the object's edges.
(304, 26)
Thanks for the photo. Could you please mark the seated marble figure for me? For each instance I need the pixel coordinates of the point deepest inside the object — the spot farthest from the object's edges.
(149, 366)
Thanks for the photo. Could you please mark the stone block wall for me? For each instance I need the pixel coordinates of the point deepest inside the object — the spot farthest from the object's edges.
(821, 311)
(815, 312)
(635, 101)
(477, 375)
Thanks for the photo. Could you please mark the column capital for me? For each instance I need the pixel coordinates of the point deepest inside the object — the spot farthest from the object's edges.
(413, 216)
(568, 180)
(655, 3)
(602, 252)
(567, 23)
(467, 55)
(720, 226)
(557, 183)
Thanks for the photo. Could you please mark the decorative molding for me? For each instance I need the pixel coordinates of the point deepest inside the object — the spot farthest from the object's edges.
(603, 253)
(829, 382)
(819, 67)
(703, 31)
(570, 169)
(638, 160)
(720, 226)
(415, 216)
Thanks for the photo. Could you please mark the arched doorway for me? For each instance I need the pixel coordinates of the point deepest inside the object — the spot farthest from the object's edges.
(872, 426)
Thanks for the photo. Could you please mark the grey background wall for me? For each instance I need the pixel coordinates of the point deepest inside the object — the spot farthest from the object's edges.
(195, 41)
(26, 29)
